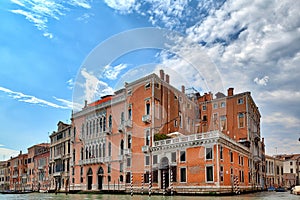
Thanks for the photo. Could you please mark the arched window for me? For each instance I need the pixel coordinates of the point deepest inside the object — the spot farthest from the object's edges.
(104, 123)
(82, 129)
(110, 122)
(87, 128)
(93, 152)
(129, 142)
(109, 149)
(101, 125)
(121, 147)
(103, 150)
(90, 172)
(81, 154)
(100, 146)
(122, 117)
(97, 126)
(90, 152)
(86, 153)
(94, 127)
(90, 127)
(96, 151)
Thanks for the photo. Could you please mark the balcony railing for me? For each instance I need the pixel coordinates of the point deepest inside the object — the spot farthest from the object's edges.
(128, 123)
(145, 149)
(57, 157)
(15, 176)
(146, 118)
(126, 151)
(120, 157)
(121, 128)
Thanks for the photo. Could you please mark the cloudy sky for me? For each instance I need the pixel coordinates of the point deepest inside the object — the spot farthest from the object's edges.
(46, 48)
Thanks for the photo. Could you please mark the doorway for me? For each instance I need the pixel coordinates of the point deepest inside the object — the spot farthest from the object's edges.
(100, 178)
(89, 179)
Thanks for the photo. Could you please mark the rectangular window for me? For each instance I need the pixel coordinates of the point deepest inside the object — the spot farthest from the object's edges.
(221, 152)
(147, 85)
(291, 170)
(208, 153)
(121, 167)
(241, 120)
(147, 160)
(291, 163)
(154, 159)
(148, 108)
(128, 162)
(182, 156)
(155, 176)
(175, 123)
(146, 177)
(109, 168)
(173, 157)
(231, 156)
(204, 118)
(128, 177)
(240, 101)
(221, 173)
(147, 138)
(223, 104)
(204, 107)
(215, 105)
(209, 173)
(242, 160)
(223, 122)
(183, 175)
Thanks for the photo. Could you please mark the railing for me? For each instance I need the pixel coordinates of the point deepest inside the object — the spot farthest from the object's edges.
(128, 123)
(188, 138)
(126, 151)
(145, 149)
(146, 118)
(120, 157)
(121, 128)
(91, 161)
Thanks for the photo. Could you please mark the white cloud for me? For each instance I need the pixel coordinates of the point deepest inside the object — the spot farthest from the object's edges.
(6, 153)
(112, 72)
(70, 84)
(30, 99)
(93, 87)
(262, 81)
(41, 12)
(281, 119)
(120, 5)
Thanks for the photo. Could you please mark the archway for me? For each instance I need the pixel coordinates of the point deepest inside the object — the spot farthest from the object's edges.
(100, 178)
(164, 172)
(90, 179)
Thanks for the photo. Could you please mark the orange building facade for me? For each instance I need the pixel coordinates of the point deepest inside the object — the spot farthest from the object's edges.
(151, 136)
(18, 172)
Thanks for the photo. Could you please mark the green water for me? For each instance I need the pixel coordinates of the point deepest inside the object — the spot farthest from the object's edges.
(253, 196)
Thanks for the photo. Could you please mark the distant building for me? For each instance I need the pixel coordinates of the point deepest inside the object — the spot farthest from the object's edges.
(4, 175)
(291, 169)
(60, 156)
(38, 167)
(18, 172)
(274, 172)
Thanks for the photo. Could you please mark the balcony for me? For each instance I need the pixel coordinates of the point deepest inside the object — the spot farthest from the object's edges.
(108, 131)
(107, 159)
(57, 157)
(126, 151)
(145, 149)
(40, 167)
(128, 123)
(57, 173)
(121, 128)
(120, 157)
(146, 118)
(15, 176)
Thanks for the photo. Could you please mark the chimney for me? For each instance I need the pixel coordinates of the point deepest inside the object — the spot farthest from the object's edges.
(230, 92)
(167, 78)
(162, 74)
(85, 103)
(183, 89)
(20, 152)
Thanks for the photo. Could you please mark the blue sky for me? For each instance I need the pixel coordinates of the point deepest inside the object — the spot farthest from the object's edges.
(44, 44)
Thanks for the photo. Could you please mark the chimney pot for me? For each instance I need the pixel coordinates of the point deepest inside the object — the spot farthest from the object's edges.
(230, 92)
(183, 89)
(167, 78)
(162, 74)
(85, 103)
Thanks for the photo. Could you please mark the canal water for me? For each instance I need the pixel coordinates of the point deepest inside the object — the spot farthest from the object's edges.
(253, 196)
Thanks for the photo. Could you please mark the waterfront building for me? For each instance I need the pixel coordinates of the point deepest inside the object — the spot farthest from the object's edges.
(291, 168)
(238, 117)
(37, 163)
(60, 156)
(122, 141)
(274, 172)
(4, 175)
(18, 172)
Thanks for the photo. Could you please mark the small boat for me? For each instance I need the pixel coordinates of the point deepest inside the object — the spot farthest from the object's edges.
(271, 189)
(296, 190)
(43, 191)
(15, 192)
(280, 189)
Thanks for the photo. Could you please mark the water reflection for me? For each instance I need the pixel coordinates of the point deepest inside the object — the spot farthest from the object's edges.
(254, 196)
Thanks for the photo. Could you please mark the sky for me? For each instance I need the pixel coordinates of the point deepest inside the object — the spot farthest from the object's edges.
(54, 54)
